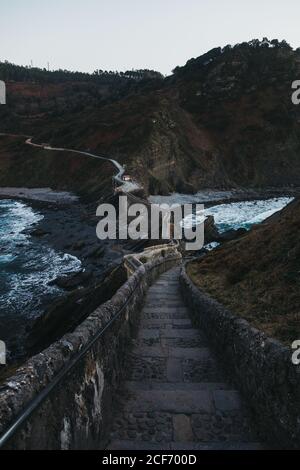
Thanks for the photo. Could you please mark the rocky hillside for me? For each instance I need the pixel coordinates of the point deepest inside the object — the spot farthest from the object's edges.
(25, 166)
(223, 120)
(258, 276)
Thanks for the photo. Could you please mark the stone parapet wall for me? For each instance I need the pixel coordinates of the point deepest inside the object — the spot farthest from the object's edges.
(78, 412)
(260, 366)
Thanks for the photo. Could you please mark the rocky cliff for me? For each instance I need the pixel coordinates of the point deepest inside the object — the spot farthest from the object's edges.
(223, 120)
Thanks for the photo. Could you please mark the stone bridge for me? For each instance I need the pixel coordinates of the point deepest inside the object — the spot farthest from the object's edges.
(139, 355)
(138, 374)
(174, 395)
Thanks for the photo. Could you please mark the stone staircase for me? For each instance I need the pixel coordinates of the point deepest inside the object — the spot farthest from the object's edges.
(175, 397)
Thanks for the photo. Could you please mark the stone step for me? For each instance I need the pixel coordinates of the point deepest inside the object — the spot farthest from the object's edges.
(171, 273)
(165, 285)
(162, 286)
(182, 342)
(163, 304)
(137, 445)
(227, 400)
(154, 296)
(164, 315)
(174, 370)
(151, 352)
(197, 354)
(175, 397)
(144, 445)
(165, 300)
(168, 332)
(177, 323)
(132, 385)
(168, 289)
(171, 401)
(177, 342)
(163, 309)
(156, 323)
(149, 333)
(164, 290)
(166, 293)
(215, 445)
(179, 332)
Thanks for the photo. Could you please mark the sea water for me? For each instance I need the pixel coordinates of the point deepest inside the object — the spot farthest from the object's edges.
(26, 268)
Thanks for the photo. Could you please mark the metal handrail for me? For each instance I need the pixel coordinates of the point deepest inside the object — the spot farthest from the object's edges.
(44, 394)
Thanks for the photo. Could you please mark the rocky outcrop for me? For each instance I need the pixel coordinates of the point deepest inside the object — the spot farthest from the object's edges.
(68, 311)
(211, 233)
(231, 235)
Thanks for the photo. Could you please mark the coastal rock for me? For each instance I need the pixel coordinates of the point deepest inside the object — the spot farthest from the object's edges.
(78, 245)
(39, 232)
(96, 252)
(73, 281)
(211, 232)
(232, 234)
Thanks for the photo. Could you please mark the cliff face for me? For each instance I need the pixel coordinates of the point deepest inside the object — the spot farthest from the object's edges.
(25, 166)
(228, 121)
(223, 120)
(241, 98)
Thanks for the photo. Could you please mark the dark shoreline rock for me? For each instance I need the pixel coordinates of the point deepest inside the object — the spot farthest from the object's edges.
(232, 234)
(38, 232)
(62, 227)
(72, 281)
(69, 310)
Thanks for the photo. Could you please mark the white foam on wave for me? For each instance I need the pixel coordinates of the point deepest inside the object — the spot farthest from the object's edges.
(246, 213)
(27, 265)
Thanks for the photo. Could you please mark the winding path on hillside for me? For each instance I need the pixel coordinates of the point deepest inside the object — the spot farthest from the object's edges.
(127, 186)
(174, 396)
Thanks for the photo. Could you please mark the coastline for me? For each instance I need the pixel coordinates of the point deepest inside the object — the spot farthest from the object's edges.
(215, 197)
(68, 227)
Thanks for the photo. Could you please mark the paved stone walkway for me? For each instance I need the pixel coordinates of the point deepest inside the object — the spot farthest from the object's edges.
(175, 397)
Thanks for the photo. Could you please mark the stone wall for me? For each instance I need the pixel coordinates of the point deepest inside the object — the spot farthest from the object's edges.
(77, 414)
(261, 367)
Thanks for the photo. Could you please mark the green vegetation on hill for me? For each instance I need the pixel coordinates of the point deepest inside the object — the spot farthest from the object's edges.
(9, 71)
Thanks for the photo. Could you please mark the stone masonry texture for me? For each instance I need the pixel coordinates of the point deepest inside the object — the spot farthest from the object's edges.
(78, 413)
(260, 366)
(175, 395)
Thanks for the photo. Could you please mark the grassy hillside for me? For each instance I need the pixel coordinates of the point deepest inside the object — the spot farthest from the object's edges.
(258, 276)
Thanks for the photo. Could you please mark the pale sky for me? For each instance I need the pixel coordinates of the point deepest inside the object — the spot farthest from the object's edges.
(130, 34)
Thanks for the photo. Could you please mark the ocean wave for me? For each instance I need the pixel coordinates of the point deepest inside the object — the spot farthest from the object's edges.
(26, 265)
